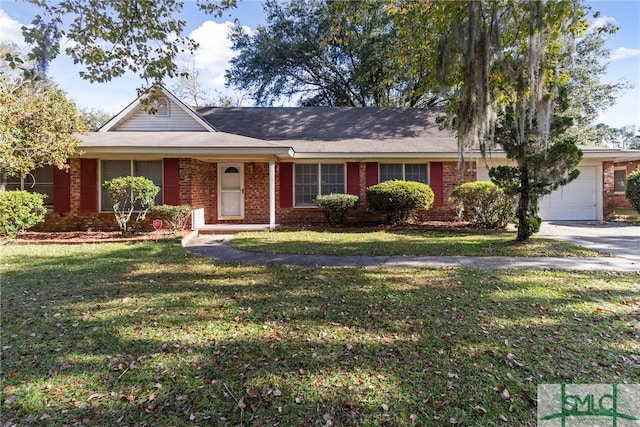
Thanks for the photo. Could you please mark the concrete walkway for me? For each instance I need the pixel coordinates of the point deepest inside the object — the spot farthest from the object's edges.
(217, 247)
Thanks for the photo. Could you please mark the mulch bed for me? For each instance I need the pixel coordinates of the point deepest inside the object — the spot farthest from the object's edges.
(78, 237)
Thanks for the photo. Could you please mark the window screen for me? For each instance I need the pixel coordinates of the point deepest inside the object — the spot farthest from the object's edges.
(404, 171)
(306, 187)
(38, 181)
(619, 180)
(314, 179)
(332, 179)
(390, 171)
(416, 172)
(150, 169)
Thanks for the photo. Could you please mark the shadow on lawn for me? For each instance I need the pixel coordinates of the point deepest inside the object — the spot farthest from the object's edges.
(175, 337)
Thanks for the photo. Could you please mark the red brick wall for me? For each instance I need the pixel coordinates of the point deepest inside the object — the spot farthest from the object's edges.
(256, 193)
(613, 201)
(452, 178)
(198, 188)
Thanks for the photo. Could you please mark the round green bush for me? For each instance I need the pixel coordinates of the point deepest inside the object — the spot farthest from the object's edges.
(400, 200)
(336, 206)
(632, 193)
(483, 203)
(19, 211)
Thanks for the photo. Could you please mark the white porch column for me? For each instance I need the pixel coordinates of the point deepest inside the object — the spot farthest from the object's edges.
(272, 194)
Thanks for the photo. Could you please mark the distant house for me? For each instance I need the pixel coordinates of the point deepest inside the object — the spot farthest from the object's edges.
(266, 165)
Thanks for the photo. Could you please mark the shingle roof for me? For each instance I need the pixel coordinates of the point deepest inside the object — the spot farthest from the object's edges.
(337, 130)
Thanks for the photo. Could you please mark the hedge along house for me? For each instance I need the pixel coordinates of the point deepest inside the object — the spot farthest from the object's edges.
(266, 165)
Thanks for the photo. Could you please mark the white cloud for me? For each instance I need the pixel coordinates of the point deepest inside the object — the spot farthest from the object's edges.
(11, 30)
(215, 51)
(623, 53)
(601, 21)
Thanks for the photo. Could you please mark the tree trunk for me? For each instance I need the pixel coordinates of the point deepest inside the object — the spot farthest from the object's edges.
(524, 219)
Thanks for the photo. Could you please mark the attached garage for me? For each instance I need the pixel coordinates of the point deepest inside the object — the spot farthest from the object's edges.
(576, 201)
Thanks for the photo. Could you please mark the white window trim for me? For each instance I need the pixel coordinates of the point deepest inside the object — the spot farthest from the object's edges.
(101, 179)
(319, 166)
(619, 168)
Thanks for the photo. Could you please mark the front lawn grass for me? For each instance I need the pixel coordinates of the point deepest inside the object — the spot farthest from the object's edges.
(148, 334)
(404, 242)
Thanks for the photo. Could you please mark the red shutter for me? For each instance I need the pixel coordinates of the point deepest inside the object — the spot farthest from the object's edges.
(436, 182)
(88, 185)
(286, 185)
(372, 174)
(353, 178)
(61, 190)
(171, 182)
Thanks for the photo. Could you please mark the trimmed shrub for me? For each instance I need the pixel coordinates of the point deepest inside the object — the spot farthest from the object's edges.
(483, 203)
(335, 206)
(131, 194)
(400, 200)
(177, 217)
(19, 211)
(632, 193)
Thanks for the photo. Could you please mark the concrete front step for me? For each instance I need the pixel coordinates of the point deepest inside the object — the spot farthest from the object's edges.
(230, 228)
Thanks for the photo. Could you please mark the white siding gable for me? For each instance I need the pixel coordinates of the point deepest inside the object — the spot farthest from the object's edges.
(139, 120)
(172, 115)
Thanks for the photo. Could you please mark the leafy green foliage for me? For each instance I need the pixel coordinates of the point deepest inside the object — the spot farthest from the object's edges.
(130, 194)
(336, 53)
(38, 126)
(111, 38)
(335, 206)
(483, 203)
(632, 192)
(94, 118)
(19, 211)
(178, 217)
(400, 200)
(524, 76)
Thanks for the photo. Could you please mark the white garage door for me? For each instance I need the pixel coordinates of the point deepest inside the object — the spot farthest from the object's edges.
(575, 201)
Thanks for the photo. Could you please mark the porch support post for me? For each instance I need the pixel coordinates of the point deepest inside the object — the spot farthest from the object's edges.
(272, 194)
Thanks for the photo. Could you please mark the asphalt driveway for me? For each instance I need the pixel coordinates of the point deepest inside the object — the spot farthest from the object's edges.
(619, 239)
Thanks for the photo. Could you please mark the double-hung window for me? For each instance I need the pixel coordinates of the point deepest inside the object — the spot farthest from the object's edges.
(39, 180)
(418, 172)
(314, 179)
(110, 169)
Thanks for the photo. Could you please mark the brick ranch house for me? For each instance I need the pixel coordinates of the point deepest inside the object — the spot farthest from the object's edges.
(266, 165)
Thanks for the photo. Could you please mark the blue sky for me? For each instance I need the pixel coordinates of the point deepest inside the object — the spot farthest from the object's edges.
(215, 53)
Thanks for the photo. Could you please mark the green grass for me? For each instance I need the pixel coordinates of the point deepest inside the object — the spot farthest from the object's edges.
(411, 242)
(147, 334)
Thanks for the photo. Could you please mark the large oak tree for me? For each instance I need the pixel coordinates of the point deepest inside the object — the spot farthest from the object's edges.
(326, 53)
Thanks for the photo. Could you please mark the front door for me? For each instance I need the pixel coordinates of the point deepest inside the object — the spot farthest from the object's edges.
(230, 191)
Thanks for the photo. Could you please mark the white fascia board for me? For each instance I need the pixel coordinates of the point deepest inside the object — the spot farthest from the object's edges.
(185, 151)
